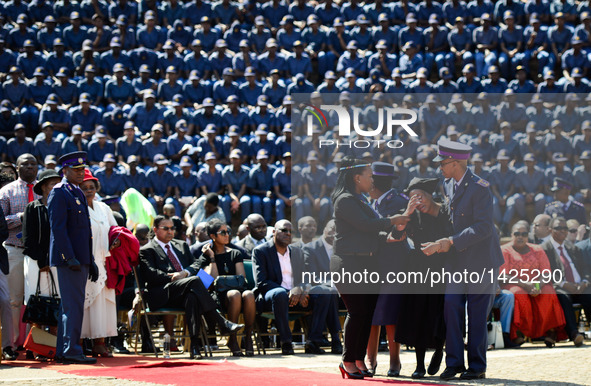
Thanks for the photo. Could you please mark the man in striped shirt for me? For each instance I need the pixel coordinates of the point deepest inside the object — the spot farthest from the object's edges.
(14, 197)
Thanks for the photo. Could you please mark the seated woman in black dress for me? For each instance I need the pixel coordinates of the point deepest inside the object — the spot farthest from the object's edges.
(421, 325)
(228, 261)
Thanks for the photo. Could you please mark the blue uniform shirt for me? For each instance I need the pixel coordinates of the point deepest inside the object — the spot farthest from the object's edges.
(235, 179)
(125, 150)
(187, 185)
(212, 182)
(96, 153)
(150, 149)
(160, 182)
(110, 185)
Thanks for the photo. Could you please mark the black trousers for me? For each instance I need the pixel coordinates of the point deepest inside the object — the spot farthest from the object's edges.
(360, 309)
(566, 301)
(190, 293)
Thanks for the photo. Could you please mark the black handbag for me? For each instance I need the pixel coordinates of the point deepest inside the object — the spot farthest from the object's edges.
(41, 309)
(230, 282)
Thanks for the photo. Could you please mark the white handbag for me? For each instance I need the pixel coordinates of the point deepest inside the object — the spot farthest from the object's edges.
(495, 335)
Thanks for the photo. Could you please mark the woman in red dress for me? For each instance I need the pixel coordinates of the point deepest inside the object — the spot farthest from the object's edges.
(537, 310)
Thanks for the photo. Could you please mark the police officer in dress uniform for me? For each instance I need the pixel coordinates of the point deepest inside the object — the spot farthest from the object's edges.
(563, 205)
(70, 250)
(477, 249)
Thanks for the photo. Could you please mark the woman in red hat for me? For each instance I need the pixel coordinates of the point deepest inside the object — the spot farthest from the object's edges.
(100, 310)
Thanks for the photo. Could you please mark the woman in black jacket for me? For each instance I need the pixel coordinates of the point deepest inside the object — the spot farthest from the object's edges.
(359, 233)
(36, 235)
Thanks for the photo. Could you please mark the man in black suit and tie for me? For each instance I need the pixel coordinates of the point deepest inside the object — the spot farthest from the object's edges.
(257, 230)
(317, 256)
(168, 271)
(277, 268)
(575, 286)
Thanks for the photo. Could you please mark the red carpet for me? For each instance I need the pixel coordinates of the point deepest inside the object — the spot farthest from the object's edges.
(184, 372)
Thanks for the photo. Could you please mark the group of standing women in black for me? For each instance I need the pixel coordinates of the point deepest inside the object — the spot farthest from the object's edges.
(386, 236)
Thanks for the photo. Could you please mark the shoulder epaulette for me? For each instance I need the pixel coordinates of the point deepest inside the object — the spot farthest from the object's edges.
(481, 182)
(578, 203)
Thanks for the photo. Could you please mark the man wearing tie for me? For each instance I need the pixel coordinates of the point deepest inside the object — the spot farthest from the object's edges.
(574, 286)
(168, 270)
(477, 249)
(70, 250)
(14, 197)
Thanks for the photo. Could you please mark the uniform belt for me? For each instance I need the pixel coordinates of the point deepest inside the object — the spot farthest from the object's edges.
(16, 246)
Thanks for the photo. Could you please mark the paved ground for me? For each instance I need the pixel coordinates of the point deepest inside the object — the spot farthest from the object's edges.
(532, 364)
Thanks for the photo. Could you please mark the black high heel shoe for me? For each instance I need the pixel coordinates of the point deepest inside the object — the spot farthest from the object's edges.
(394, 373)
(349, 375)
(374, 368)
(419, 373)
(435, 362)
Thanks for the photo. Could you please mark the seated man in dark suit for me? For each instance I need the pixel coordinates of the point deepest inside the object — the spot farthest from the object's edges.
(317, 256)
(257, 230)
(277, 268)
(168, 271)
(575, 286)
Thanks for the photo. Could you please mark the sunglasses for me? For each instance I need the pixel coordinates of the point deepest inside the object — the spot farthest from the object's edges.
(225, 233)
(284, 230)
(166, 229)
(574, 230)
(522, 234)
(560, 228)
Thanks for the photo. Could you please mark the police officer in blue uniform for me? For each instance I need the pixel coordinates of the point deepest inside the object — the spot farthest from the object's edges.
(476, 246)
(70, 250)
(563, 205)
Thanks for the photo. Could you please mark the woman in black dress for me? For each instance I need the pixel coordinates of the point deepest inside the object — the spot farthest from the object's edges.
(421, 325)
(359, 234)
(229, 261)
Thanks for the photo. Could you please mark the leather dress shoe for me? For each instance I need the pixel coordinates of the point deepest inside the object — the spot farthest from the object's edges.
(9, 354)
(451, 372)
(287, 348)
(336, 348)
(194, 352)
(578, 340)
(79, 360)
(313, 348)
(471, 374)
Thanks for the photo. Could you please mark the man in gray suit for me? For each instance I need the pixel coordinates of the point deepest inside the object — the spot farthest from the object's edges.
(317, 256)
(257, 230)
